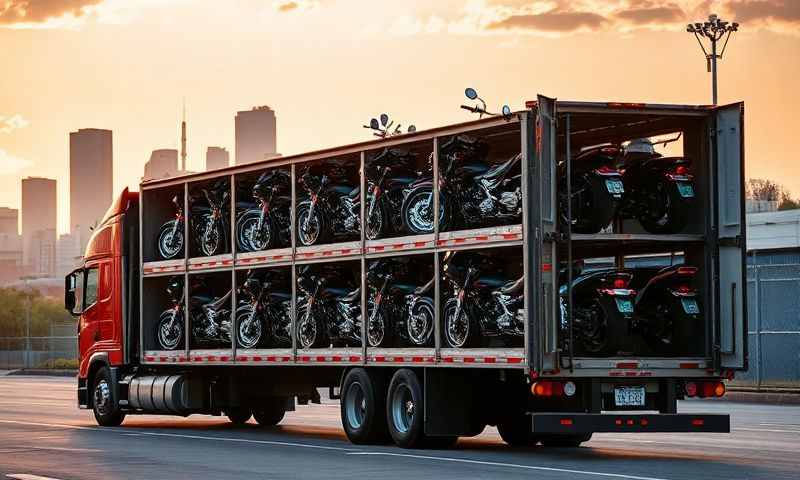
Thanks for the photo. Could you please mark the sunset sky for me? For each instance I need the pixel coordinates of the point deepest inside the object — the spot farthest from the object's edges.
(327, 66)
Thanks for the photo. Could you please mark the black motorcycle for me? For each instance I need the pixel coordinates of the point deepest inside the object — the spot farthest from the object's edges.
(170, 235)
(264, 314)
(210, 316)
(328, 209)
(669, 312)
(397, 307)
(596, 188)
(266, 223)
(327, 315)
(603, 312)
(389, 178)
(473, 193)
(482, 303)
(210, 220)
(659, 191)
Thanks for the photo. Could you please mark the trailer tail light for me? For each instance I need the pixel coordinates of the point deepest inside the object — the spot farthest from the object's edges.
(691, 389)
(704, 389)
(698, 422)
(566, 422)
(547, 388)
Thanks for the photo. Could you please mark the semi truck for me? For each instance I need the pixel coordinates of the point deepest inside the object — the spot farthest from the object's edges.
(246, 290)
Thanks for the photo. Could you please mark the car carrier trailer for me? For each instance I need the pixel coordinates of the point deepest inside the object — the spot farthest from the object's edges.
(534, 388)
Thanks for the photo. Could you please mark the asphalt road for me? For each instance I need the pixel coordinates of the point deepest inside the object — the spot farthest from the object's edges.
(42, 433)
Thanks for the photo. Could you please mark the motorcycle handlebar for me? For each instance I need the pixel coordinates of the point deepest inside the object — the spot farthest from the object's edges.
(471, 109)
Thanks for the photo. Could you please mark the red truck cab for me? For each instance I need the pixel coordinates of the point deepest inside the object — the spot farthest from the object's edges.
(98, 293)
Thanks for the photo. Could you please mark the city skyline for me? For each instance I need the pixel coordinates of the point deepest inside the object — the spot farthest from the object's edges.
(408, 63)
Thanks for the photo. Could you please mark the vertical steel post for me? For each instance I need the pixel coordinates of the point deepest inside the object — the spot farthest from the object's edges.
(437, 288)
(141, 274)
(186, 293)
(293, 232)
(568, 153)
(527, 234)
(232, 236)
(714, 71)
(364, 314)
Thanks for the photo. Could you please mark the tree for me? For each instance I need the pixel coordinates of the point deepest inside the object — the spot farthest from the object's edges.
(787, 202)
(762, 189)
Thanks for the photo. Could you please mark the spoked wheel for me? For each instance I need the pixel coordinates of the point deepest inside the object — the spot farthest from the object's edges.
(377, 331)
(420, 325)
(458, 328)
(210, 240)
(363, 407)
(309, 226)
(375, 227)
(309, 332)
(417, 212)
(249, 327)
(105, 407)
(666, 211)
(170, 241)
(251, 238)
(591, 327)
(169, 331)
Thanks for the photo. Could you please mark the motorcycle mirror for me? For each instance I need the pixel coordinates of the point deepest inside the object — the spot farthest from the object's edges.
(471, 93)
(412, 129)
(384, 119)
(506, 112)
(373, 124)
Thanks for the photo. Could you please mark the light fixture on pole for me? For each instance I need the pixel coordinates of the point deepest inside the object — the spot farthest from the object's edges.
(714, 29)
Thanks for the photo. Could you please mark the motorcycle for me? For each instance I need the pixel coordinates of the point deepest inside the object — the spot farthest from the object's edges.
(472, 193)
(397, 308)
(389, 177)
(210, 316)
(265, 224)
(170, 235)
(482, 303)
(264, 313)
(603, 312)
(210, 220)
(328, 210)
(596, 188)
(327, 315)
(659, 191)
(670, 315)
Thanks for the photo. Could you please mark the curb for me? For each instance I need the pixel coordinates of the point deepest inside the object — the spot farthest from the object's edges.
(44, 372)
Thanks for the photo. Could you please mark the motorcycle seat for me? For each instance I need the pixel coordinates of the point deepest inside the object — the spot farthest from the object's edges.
(351, 296)
(499, 170)
(513, 287)
(342, 189)
(474, 168)
(405, 287)
(488, 281)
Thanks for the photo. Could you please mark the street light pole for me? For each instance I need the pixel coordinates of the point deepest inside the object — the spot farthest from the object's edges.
(714, 29)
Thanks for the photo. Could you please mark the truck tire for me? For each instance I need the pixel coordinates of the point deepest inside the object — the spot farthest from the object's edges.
(363, 407)
(105, 407)
(404, 410)
(269, 413)
(516, 431)
(239, 415)
(563, 440)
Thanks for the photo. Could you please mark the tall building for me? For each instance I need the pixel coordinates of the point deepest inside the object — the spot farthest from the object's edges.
(9, 221)
(38, 222)
(217, 157)
(163, 163)
(91, 179)
(68, 253)
(255, 135)
(43, 256)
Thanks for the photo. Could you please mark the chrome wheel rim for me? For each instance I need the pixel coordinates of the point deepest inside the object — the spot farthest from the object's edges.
(374, 224)
(377, 329)
(254, 238)
(170, 245)
(210, 242)
(169, 336)
(403, 408)
(457, 328)
(309, 228)
(420, 215)
(307, 331)
(249, 330)
(355, 406)
(102, 398)
(419, 325)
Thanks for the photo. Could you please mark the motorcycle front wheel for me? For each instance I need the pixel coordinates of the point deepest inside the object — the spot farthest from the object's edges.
(378, 331)
(459, 330)
(310, 332)
(169, 333)
(249, 327)
(249, 238)
(417, 212)
(376, 221)
(420, 325)
(310, 228)
(170, 241)
(666, 211)
(210, 240)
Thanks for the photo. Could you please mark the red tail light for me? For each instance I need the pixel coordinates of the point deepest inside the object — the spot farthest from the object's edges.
(547, 388)
(620, 283)
(684, 289)
(687, 270)
(681, 170)
(704, 389)
(606, 170)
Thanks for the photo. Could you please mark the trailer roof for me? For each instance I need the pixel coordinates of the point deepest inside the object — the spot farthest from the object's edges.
(422, 135)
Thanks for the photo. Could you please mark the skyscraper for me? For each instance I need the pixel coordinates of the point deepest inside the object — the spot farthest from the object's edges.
(217, 157)
(39, 223)
(91, 179)
(255, 135)
(163, 163)
(9, 221)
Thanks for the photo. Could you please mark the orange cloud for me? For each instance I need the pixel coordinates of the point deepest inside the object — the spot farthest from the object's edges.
(39, 11)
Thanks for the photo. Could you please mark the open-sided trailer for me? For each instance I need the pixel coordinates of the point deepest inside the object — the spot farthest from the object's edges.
(533, 390)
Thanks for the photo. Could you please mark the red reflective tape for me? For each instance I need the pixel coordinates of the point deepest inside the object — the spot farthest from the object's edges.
(355, 358)
(417, 359)
(448, 359)
(224, 358)
(690, 365)
(198, 359)
(482, 238)
(631, 374)
(336, 358)
(489, 360)
(320, 358)
(305, 359)
(241, 359)
(380, 358)
(514, 359)
(211, 358)
(256, 358)
(627, 365)
(459, 240)
(420, 244)
(614, 374)
(510, 236)
(182, 359)
(469, 359)
(162, 359)
(547, 267)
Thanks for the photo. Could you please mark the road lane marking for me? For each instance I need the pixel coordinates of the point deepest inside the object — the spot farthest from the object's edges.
(767, 430)
(508, 465)
(27, 476)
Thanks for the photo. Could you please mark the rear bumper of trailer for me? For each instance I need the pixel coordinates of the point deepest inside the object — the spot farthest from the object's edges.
(567, 423)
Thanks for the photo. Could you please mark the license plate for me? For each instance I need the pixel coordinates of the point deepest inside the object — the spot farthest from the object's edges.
(629, 396)
(615, 187)
(624, 305)
(690, 306)
(686, 190)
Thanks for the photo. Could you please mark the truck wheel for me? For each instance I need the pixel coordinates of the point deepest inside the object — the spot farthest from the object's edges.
(239, 415)
(404, 409)
(363, 407)
(271, 412)
(516, 431)
(562, 441)
(106, 408)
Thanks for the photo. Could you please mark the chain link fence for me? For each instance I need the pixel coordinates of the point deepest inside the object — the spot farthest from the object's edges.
(38, 352)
